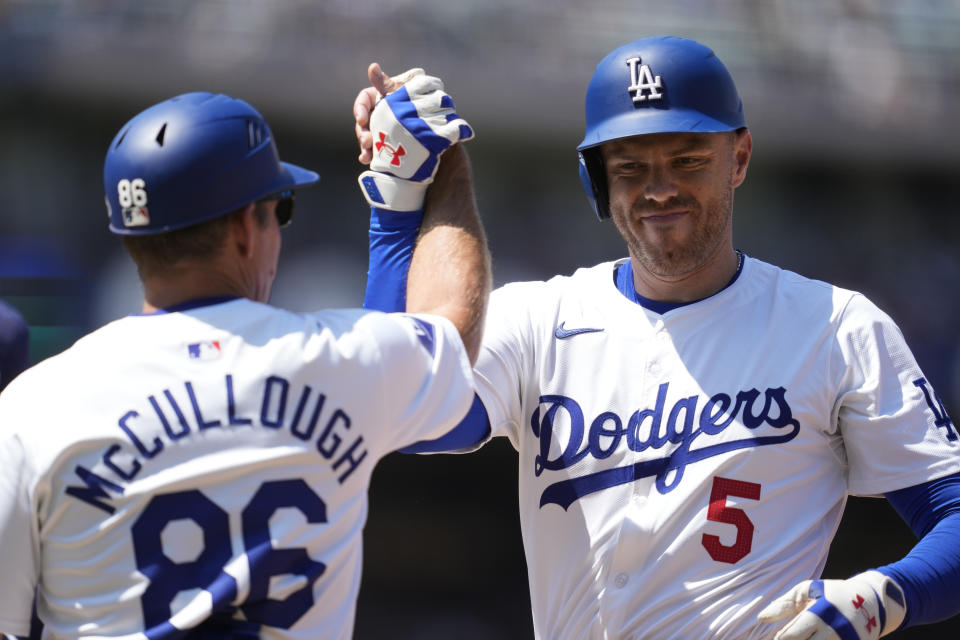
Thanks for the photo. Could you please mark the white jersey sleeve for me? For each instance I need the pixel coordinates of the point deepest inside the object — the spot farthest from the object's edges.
(895, 430)
(506, 357)
(19, 548)
(426, 381)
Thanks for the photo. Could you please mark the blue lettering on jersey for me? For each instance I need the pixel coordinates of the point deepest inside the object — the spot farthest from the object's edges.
(184, 429)
(201, 423)
(275, 392)
(647, 429)
(155, 447)
(93, 491)
(161, 421)
(425, 334)
(232, 418)
(940, 418)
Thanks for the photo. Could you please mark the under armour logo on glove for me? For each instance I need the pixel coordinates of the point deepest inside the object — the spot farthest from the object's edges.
(383, 147)
(867, 606)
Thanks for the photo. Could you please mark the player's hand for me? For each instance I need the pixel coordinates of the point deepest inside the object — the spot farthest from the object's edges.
(380, 85)
(410, 126)
(867, 606)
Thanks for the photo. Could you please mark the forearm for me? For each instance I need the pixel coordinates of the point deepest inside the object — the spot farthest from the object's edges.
(450, 267)
(930, 573)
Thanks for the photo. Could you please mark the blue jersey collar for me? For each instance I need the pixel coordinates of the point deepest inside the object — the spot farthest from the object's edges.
(623, 278)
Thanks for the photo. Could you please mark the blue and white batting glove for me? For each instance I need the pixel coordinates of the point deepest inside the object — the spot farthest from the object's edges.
(867, 606)
(411, 127)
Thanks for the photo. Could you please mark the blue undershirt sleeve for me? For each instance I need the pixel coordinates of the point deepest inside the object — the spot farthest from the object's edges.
(392, 237)
(930, 573)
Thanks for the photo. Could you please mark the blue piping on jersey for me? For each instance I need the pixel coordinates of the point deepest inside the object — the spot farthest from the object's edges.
(472, 430)
(623, 279)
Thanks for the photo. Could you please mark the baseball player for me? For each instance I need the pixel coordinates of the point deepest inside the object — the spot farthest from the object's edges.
(14, 344)
(200, 469)
(690, 420)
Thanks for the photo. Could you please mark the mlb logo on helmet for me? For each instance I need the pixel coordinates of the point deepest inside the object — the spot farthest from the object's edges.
(136, 216)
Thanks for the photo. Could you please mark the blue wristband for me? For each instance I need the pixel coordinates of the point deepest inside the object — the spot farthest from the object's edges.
(392, 237)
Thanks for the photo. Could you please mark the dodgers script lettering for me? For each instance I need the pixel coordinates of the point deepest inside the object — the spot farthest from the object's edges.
(687, 421)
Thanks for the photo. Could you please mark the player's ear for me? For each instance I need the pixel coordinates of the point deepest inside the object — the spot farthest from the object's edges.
(742, 149)
(242, 231)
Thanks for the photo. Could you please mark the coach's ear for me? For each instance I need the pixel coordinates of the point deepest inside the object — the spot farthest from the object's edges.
(242, 231)
(742, 149)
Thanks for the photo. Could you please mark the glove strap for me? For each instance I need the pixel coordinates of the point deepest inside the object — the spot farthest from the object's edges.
(389, 192)
(892, 601)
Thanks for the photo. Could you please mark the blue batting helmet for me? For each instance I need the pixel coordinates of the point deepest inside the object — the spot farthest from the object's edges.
(189, 159)
(654, 85)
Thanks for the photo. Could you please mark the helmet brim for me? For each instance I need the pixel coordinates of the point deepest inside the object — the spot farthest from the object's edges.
(301, 177)
(652, 120)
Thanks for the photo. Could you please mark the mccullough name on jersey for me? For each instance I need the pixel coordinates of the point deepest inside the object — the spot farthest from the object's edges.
(164, 419)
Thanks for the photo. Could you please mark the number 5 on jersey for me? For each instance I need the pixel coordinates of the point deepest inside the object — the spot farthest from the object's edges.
(718, 511)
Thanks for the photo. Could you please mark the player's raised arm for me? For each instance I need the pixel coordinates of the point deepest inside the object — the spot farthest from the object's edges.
(404, 124)
(450, 271)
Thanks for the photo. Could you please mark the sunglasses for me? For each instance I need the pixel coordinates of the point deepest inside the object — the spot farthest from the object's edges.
(284, 210)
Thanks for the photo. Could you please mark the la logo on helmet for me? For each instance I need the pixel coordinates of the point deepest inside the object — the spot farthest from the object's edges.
(644, 85)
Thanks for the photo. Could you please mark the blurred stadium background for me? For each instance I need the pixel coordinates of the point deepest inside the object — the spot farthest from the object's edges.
(853, 105)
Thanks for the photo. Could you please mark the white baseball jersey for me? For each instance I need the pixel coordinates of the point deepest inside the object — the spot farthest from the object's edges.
(216, 459)
(678, 471)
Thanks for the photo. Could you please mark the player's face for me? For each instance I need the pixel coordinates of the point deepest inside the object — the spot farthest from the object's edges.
(671, 196)
(269, 243)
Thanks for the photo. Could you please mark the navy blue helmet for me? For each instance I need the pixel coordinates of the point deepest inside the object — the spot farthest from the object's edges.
(189, 159)
(662, 84)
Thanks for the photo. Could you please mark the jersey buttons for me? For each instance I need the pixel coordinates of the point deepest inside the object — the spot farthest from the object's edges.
(621, 580)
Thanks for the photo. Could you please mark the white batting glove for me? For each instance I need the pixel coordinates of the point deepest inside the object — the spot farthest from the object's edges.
(867, 606)
(411, 127)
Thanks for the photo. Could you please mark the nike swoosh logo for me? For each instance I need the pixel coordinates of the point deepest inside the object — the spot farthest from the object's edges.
(562, 334)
